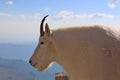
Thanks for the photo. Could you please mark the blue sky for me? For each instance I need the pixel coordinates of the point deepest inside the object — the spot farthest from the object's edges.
(19, 19)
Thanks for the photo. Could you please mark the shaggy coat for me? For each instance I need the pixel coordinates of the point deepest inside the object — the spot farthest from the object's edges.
(89, 53)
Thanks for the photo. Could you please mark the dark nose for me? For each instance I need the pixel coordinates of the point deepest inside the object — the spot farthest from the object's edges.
(30, 61)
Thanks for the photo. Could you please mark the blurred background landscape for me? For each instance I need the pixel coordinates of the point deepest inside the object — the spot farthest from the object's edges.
(14, 64)
(19, 30)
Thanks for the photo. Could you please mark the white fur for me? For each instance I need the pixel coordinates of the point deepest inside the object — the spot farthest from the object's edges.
(86, 53)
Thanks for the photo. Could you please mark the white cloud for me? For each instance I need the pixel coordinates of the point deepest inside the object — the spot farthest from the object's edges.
(21, 16)
(9, 2)
(102, 15)
(62, 15)
(5, 14)
(35, 16)
(46, 9)
(113, 3)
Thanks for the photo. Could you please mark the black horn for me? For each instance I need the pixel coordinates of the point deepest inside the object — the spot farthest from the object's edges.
(41, 26)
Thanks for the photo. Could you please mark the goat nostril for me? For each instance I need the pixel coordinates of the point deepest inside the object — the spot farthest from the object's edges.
(30, 61)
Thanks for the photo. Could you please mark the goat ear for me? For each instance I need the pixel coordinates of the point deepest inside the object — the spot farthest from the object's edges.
(47, 30)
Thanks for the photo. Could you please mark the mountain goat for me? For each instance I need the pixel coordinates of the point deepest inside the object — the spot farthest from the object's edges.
(86, 53)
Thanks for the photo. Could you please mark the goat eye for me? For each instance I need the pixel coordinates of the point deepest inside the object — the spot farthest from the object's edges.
(41, 42)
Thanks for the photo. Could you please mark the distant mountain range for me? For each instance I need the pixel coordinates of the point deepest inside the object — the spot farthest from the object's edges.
(21, 70)
(14, 64)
